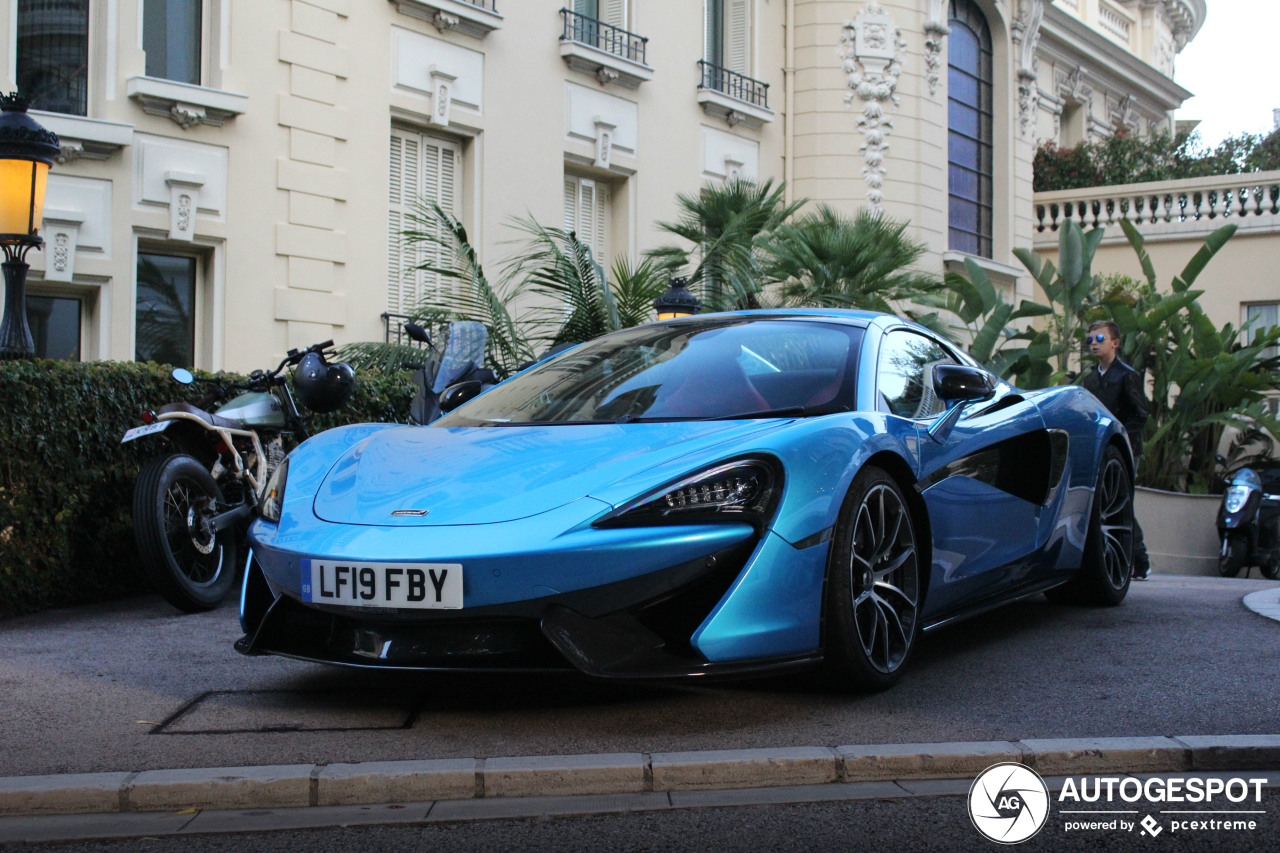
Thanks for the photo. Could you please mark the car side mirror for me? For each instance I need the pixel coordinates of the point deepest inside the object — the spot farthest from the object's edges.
(458, 393)
(957, 385)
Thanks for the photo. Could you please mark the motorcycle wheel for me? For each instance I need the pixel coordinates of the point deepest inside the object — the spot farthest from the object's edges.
(1271, 568)
(1231, 558)
(191, 567)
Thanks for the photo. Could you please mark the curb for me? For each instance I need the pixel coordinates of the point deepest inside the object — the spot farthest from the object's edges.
(328, 785)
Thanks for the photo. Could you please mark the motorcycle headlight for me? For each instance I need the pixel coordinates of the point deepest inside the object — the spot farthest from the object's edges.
(744, 490)
(1236, 497)
(273, 498)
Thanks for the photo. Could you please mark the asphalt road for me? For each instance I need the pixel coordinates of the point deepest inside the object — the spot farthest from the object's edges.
(134, 685)
(917, 824)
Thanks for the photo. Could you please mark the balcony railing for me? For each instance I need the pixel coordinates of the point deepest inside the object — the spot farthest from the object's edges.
(733, 84)
(606, 37)
(1251, 200)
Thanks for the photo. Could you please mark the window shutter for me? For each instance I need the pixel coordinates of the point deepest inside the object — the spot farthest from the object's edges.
(586, 213)
(423, 170)
(737, 36)
(614, 13)
(711, 33)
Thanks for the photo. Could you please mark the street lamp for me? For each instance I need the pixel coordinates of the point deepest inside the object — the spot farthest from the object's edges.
(27, 151)
(677, 301)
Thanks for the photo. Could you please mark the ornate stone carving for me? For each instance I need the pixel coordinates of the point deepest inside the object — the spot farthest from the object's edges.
(934, 32)
(184, 195)
(1071, 85)
(606, 75)
(1124, 115)
(604, 142)
(444, 21)
(69, 152)
(441, 95)
(873, 50)
(1026, 38)
(734, 118)
(185, 115)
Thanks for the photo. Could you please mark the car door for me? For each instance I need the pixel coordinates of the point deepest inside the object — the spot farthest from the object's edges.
(981, 519)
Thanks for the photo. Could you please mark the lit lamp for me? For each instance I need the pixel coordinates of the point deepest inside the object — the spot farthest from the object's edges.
(27, 151)
(677, 301)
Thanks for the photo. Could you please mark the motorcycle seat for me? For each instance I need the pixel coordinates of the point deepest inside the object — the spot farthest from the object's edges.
(208, 417)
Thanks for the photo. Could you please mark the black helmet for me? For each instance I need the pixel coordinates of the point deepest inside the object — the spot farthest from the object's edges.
(321, 386)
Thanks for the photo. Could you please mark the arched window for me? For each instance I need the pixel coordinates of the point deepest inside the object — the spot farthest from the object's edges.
(969, 130)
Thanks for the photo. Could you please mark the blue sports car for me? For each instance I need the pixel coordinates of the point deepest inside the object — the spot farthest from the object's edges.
(720, 494)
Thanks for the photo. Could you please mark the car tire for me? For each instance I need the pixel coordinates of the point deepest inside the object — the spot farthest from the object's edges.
(1231, 558)
(874, 585)
(192, 568)
(1107, 568)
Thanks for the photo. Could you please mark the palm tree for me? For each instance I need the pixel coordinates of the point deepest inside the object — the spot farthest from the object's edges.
(825, 259)
(473, 297)
(585, 302)
(728, 226)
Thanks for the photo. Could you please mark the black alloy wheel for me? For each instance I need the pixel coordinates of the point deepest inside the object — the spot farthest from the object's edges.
(1107, 567)
(873, 585)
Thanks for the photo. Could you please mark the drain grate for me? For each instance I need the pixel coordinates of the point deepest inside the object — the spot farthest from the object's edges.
(266, 711)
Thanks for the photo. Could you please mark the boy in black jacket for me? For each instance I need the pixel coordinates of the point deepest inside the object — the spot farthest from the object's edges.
(1120, 388)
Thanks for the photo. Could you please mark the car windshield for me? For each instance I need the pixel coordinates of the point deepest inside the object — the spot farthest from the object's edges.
(713, 368)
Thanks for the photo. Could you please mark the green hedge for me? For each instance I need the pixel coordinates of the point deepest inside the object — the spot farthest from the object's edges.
(66, 481)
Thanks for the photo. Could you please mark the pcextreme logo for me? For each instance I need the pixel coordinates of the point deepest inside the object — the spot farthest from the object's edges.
(1009, 803)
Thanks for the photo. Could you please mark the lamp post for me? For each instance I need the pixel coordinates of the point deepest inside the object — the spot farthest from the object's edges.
(27, 151)
(677, 301)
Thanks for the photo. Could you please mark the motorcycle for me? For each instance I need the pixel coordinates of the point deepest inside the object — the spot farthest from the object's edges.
(1249, 527)
(191, 505)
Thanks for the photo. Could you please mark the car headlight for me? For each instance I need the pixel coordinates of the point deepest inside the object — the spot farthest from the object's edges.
(273, 497)
(1236, 497)
(744, 490)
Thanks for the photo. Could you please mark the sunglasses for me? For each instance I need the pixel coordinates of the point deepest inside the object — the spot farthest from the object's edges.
(1099, 338)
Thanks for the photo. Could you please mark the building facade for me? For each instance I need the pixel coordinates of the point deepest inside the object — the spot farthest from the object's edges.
(235, 177)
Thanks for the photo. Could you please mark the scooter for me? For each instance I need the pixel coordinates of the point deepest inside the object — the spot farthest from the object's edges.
(461, 364)
(1249, 527)
(192, 502)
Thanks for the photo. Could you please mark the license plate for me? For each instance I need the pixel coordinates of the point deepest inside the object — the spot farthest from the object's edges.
(423, 586)
(139, 432)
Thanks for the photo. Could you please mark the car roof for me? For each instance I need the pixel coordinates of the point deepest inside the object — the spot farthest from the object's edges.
(851, 316)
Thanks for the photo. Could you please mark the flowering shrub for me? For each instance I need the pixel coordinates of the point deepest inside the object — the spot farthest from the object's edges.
(1123, 159)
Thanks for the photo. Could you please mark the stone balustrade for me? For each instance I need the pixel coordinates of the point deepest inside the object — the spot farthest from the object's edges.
(1183, 208)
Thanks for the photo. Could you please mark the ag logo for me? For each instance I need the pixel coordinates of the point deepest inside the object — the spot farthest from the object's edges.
(1008, 803)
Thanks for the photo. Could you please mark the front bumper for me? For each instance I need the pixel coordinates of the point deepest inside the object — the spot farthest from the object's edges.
(640, 627)
(625, 602)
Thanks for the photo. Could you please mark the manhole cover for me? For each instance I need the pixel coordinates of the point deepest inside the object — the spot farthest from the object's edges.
(233, 711)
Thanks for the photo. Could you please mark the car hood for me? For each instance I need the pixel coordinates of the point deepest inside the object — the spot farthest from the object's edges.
(485, 475)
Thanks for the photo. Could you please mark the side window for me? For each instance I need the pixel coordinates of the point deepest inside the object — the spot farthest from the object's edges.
(904, 375)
